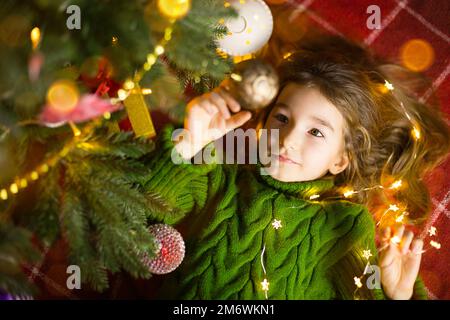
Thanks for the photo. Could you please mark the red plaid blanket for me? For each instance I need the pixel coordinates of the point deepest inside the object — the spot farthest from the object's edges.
(401, 22)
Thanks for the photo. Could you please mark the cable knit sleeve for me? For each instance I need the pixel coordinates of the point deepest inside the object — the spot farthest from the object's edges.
(352, 263)
(184, 186)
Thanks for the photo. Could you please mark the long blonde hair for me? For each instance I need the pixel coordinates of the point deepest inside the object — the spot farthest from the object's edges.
(390, 134)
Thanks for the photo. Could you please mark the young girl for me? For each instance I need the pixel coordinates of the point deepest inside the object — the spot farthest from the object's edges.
(255, 232)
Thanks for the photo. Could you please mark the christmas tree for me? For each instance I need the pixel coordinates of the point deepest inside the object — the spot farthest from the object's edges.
(70, 74)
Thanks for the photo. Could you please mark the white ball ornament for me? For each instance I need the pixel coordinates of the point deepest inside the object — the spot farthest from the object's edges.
(250, 31)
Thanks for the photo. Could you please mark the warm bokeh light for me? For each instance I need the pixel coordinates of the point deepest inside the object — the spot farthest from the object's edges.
(63, 95)
(174, 9)
(4, 194)
(416, 133)
(417, 55)
(348, 192)
(35, 36)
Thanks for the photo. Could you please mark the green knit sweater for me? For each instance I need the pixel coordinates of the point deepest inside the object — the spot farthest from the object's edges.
(225, 213)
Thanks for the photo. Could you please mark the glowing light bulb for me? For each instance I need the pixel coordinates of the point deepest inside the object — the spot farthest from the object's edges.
(435, 244)
(357, 282)
(146, 91)
(416, 133)
(395, 240)
(265, 285)
(236, 77)
(4, 194)
(23, 183)
(159, 50)
(122, 94)
(349, 193)
(35, 36)
(128, 85)
(397, 184)
(388, 85)
(14, 188)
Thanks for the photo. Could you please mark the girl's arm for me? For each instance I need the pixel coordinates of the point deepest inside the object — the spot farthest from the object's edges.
(182, 185)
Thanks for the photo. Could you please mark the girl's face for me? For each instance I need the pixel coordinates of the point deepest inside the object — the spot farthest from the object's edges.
(311, 135)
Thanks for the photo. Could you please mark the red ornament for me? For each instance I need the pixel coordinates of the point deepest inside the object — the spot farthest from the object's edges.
(100, 81)
(171, 249)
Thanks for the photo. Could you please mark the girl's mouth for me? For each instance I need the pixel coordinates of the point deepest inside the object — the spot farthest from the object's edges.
(285, 159)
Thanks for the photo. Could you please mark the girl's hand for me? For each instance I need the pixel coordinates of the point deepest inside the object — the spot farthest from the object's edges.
(209, 117)
(399, 262)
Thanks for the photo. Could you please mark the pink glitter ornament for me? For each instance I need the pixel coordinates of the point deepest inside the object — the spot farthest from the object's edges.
(171, 249)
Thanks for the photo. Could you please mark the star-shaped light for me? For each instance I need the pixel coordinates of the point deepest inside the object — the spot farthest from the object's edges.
(432, 231)
(400, 218)
(397, 184)
(395, 240)
(276, 224)
(357, 282)
(367, 254)
(393, 207)
(388, 85)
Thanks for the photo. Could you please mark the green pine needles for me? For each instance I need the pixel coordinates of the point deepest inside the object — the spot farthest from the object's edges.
(91, 197)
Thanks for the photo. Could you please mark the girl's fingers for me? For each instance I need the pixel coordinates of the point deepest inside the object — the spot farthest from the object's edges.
(417, 246)
(220, 103)
(218, 127)
(413, 263)
(225, 84)
(398, 234)
(386, 234)
(406, 241)
(238, 120)
(209, 107)
(231, 102)
(388, 255)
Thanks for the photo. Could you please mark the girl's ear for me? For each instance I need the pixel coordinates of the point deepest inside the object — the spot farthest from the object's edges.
(340, 165)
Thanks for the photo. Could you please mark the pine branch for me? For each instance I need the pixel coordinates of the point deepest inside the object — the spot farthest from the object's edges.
(93, 195)
(118, 217)
(43, 219)
(15, 250)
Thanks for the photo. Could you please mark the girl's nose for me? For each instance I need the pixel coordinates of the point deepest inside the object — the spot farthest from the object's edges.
(291, 141)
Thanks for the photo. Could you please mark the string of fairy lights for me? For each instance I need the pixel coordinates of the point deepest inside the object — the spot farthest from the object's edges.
(172, 10)
(348, 192)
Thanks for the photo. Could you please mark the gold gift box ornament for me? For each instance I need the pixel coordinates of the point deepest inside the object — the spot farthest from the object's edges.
(138, 113)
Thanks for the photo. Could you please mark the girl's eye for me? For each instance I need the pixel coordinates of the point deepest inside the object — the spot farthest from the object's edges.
(281, 117)
(316, 132)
